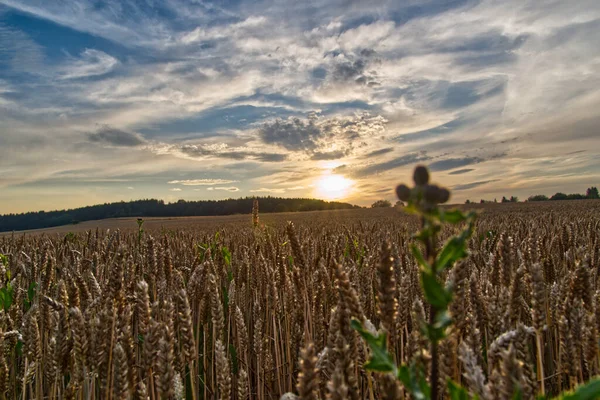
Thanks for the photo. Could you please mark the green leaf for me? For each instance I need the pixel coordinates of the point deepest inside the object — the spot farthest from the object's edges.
(226, 255)
(4, 260)
(408, 376)
(452, 251)
(422, 236)
(140, 338)
(434, 334)
(381, 360)
(6, 296)
(453, 216)
(435, 292)
(457, 392)
(419, 256)
(518, 395)
(588, 391)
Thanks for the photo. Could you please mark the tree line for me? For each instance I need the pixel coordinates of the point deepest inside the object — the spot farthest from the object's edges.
(591, 193)
(158, 208)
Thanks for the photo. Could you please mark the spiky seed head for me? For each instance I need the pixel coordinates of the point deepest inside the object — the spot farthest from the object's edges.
(421, 175)
(403, 192)
(443, 195)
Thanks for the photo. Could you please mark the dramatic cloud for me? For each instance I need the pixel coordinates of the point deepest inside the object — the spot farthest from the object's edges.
(201, 182)
(323, 138)
(94, 98)
(292, 134)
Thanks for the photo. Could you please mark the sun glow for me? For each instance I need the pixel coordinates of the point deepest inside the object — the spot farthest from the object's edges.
(333, 187)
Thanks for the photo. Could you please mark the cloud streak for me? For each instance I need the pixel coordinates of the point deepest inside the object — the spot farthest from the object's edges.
(201, 182)
(116, 137)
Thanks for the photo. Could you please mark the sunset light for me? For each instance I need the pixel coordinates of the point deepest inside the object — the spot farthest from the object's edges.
(333, 187)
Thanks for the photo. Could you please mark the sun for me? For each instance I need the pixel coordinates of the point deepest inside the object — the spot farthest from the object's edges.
(333, 186)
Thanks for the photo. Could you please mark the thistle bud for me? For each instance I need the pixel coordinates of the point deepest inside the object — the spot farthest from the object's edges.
(403, 192)
(421, 175)
(443, 195)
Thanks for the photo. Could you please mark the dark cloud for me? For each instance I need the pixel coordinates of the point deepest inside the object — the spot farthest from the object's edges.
(292, 134)
(200, 151)
(347, 70)
(461, 171)
(340, 169)
(472, 185)
(116, 137)
(314, 135)
(379, 152)
(451, 163)
(384, 191)
(406, 159)
(368, 53)
(331, 155)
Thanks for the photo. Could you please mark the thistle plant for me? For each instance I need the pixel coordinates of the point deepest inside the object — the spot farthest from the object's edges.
(423, 200)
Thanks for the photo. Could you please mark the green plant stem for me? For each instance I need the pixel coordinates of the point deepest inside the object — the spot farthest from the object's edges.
(430, 257)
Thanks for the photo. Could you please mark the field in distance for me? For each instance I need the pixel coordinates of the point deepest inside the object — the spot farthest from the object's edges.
(213, 223)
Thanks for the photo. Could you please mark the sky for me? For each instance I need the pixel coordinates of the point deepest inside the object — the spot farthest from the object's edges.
(104, 101)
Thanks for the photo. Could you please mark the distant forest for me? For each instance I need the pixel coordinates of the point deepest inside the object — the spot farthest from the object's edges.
(158, 208)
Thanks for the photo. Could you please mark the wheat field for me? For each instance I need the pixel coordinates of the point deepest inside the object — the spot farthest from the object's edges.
(256, 307)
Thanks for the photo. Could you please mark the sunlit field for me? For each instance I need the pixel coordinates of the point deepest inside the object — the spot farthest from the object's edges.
(217, 308)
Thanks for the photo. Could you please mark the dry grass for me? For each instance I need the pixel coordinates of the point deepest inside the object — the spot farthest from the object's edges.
(253, 313)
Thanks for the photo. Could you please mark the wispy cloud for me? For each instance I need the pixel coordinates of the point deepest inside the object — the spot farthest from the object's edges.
(225, 188)
(268, 190)
(91, 63)
(201, 182)
(461, 171)
(472, 185)
(175, 189)
(394, 163)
